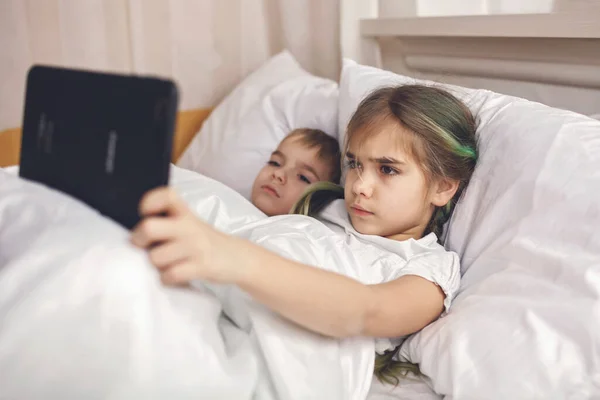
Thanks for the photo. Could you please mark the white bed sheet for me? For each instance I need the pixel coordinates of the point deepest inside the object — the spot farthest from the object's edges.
(82, 311)
(414, 388)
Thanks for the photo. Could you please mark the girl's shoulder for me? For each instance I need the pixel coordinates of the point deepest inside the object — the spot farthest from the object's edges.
(390, 259)
(336, 217)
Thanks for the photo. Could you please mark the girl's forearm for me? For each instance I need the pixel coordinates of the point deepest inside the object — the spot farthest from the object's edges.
(321, 301)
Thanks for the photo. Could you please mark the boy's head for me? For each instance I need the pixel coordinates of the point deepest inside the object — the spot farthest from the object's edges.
(303, 157)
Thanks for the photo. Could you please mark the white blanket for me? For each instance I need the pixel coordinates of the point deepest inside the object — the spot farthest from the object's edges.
(83, 314)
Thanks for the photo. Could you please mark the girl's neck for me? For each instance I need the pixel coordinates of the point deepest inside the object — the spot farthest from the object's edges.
(414, 233)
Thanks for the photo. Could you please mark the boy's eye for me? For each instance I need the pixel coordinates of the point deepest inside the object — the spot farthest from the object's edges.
(351, 164)
(304, 179)
(274, 163)
(387, 170)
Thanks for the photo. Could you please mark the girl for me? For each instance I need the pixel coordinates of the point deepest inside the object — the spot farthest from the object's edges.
(409, 152)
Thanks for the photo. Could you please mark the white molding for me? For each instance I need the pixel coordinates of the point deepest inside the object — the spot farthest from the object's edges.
(555, 25)
(587, 76)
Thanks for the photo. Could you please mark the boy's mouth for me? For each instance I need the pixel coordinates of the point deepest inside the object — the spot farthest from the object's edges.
(270, 190)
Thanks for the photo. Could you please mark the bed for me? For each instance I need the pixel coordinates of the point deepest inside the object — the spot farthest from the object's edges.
(525, 324)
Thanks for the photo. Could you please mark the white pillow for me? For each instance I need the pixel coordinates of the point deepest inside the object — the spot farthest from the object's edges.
(526, 323)
(357, 81)
(239, 135)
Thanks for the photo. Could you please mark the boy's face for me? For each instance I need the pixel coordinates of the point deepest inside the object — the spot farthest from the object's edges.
(291, 168)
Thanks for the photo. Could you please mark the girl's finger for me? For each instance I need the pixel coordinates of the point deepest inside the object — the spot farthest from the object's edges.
(180, 273)
(154, 229)
(169, 253)
(163, 200)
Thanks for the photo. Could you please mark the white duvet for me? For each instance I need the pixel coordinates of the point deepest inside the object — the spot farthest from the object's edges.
(83, 314)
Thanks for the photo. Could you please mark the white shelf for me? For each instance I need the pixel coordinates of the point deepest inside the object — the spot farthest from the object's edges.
(557, 25)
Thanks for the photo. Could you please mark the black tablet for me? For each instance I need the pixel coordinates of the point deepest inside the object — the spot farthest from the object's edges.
(105, 139)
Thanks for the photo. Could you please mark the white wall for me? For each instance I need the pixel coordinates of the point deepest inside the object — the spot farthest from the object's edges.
(353, 46)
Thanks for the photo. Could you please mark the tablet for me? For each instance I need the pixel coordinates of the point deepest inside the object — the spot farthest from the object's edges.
(105, 139)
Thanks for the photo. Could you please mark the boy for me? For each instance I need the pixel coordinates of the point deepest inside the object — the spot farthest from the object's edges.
(304, 157)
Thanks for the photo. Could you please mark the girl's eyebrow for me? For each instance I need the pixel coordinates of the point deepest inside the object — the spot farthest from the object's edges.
(380, 160)
(387, 160)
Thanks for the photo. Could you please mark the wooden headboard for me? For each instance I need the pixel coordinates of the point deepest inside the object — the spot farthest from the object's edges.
(188, 123)
(551, 58)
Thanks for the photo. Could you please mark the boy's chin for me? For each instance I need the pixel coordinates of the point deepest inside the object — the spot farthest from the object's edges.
(265, 204)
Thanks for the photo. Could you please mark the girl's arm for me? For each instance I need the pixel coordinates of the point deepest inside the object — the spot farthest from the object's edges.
(334, 305)
(185, 248)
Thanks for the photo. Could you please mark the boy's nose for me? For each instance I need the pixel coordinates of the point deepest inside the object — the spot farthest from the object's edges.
(280, 175)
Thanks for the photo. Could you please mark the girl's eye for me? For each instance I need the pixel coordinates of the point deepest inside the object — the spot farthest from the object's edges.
(274, 163)
(351, 164)
(304, 179)
(387, 170)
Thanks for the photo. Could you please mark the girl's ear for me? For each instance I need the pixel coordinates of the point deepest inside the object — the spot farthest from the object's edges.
(444, 191)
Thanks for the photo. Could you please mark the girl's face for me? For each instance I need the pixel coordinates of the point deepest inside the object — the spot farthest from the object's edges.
(386, 190)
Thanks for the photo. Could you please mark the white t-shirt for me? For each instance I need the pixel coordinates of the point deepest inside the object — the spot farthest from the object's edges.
(391, 259)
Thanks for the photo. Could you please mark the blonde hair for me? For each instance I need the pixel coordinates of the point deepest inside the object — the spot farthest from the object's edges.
(316, 197)
(328, 148)
(443, 142)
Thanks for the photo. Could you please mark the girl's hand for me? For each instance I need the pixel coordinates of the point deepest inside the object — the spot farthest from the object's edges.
(182, 246)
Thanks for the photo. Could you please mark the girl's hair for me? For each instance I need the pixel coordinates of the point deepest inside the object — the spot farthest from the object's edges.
(443, 134)
(328, 148)
(442, 141)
